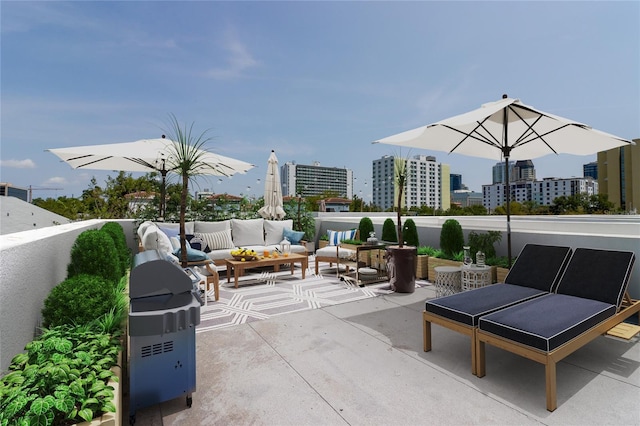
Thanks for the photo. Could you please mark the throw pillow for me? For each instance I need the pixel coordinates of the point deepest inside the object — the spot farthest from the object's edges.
(216, 240)
(294, 237)
(273, 230)
(206, 227)
(170, 231)
(248, 232)
(336, 236)
(193, 255)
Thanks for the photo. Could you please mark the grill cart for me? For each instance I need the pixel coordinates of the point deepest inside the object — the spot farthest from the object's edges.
(163, 313)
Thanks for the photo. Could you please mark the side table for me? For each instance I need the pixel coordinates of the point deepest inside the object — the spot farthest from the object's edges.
(474, 276)
(447, 280)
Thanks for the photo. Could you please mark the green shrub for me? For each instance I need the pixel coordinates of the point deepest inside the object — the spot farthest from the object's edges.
(114, 229)
(410, 233)
(79, 300)
(427, 250)
(94, 253)
(389, 232)
(366, 228)
(484, 242)
(451, 237)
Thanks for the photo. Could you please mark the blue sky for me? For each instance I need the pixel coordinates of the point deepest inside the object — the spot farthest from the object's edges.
(315, 81)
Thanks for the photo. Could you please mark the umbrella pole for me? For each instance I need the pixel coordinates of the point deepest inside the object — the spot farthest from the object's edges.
(506, 168)
(163, 190)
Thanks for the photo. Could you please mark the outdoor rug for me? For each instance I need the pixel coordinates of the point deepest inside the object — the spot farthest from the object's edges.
(265, 294)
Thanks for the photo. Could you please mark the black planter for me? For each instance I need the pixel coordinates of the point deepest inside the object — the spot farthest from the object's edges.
(401, 262)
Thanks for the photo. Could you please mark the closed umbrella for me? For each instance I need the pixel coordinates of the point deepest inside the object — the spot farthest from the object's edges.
(144, 155)
(272, 208)
(507, 129)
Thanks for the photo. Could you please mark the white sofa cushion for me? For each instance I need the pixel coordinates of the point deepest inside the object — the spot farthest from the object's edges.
(175, 227)
(216, 240)
(247, 232)
(155, 239)
(206, 227)
(274, 230)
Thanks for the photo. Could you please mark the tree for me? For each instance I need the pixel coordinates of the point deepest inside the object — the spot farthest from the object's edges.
(401, 180)
(188, 162)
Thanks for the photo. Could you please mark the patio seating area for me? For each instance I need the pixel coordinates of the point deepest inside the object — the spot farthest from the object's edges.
(363, 362)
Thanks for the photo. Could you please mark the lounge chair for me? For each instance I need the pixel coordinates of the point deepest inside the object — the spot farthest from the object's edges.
(590, 299)
(334, 253)
(535, 273)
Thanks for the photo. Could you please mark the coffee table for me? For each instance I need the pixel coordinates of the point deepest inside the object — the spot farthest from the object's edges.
(239, 266)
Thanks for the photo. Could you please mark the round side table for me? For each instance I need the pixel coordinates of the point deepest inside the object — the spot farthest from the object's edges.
(447, 280)
(474, 276)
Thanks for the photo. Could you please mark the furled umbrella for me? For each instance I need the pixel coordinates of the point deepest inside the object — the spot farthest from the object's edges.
(272, 208)
(507, 129)
(144, 155)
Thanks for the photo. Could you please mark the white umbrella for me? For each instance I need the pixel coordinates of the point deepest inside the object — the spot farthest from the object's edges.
(272, 191)
(507, 129)
(145, 155)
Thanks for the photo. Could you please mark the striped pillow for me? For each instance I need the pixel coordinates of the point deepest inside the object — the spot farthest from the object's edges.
(216, 240)
(336, 236)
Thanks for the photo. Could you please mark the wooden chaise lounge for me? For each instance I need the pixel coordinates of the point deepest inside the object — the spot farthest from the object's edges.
(590, 299)
(535, 273)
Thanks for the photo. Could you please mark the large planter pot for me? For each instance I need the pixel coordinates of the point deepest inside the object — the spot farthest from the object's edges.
(436, 261)
(401, 264)
(422, 266)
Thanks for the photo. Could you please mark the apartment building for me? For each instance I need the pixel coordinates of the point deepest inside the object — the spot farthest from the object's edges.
(311, 180)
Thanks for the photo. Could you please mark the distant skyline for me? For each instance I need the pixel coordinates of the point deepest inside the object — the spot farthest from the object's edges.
(315, 81)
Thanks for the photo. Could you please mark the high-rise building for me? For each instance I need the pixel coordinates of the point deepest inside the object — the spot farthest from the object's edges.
(499, 175)
(456, 182)
(9, 190)
(542, 192)
(427, 182)
(310, 180)
(619, 175)
(590, 170)
(524, 170)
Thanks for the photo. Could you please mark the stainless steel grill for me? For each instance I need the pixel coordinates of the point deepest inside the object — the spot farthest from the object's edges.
(163, 313)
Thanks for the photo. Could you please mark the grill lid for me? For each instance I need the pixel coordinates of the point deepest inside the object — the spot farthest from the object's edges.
(152, 275)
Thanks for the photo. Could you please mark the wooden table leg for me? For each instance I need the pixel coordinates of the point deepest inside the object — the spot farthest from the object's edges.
(304, 264)
(292, 267)
(236, 274)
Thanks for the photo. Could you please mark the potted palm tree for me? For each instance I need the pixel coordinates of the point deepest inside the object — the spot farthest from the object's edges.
(401, 259)
(187, 160)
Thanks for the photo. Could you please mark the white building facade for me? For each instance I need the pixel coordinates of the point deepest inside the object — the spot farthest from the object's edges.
(542, 192)
(311, 180)
(427, 182)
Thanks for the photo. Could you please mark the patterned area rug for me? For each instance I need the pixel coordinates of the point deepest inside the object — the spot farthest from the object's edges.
(265, 294)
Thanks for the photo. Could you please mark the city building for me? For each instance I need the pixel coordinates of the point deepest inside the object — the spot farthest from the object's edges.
(542, 192)
(311, 180)
(428, 182)
(9, 190)
(619, 175)
(591, 170)
(466, 198)
(456, 182)
(524, 170)
(499, 175)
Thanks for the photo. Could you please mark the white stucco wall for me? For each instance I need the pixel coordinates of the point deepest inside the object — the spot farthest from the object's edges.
(32, 263)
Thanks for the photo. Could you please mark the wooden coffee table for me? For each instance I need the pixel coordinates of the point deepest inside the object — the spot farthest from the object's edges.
(239, 266)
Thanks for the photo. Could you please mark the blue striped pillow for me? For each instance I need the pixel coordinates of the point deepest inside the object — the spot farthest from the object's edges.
(336, 236)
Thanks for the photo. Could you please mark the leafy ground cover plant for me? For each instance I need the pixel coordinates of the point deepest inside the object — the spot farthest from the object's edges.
(427, 250)
(62, 378)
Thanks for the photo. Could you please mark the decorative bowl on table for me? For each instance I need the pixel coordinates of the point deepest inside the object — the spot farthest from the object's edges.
(244, 254)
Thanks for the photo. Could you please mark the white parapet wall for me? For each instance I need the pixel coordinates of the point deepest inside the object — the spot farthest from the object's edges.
(33, 262)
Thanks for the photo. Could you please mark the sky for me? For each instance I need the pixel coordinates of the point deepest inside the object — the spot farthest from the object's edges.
(314, 81)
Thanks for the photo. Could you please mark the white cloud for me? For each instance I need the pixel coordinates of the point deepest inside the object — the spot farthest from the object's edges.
(56, 180)
(18, 164)
(239, 60)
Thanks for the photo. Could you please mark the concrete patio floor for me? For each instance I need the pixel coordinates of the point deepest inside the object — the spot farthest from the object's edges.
(362, 363)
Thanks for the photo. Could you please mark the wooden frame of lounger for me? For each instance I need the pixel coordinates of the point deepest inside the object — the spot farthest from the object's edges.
(550, 359)
(468, 330)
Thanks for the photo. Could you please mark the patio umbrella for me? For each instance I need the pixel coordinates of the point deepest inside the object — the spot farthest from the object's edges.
(144, 155)
(272, 208)
(507, 129)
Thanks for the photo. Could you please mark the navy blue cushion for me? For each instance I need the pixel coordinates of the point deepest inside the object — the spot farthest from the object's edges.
(598, 274)
(539, 266)
(467, 307)
(547, 322)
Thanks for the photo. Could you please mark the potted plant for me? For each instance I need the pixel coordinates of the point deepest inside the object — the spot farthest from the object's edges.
(422, 261)
(389, 233)
(401, 259)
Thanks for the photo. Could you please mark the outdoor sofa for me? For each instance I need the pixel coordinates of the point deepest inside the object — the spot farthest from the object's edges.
(590, 299)
(217, 239)
(536, 272)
